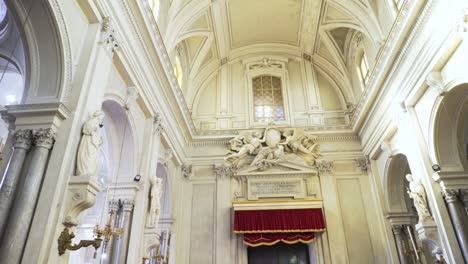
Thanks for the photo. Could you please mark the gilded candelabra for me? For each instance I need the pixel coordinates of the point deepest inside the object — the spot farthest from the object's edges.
(100, 235)
(66, 237)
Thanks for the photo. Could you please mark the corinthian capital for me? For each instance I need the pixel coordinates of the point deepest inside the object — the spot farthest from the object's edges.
(44, 138)
(23, 138)
(451, 195)
(223, 170)
(127, 204)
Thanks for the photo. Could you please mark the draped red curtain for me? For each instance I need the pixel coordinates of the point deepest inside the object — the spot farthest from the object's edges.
(268, 227)
(269, 239)
(279, 221)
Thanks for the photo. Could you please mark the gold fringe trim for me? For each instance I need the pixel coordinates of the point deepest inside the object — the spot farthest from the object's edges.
(279, 231)
(277, 241)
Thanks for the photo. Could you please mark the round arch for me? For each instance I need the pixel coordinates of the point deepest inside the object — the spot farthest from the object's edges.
(449, 135)
(395, 185)
(48, 64)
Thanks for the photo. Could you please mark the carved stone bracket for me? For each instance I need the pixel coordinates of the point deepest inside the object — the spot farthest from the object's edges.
(429, 237)
(186, 171)
(362, 163)
(157, 124)
(224, 171)
(108, 36)
(82, 192)
(324, 166)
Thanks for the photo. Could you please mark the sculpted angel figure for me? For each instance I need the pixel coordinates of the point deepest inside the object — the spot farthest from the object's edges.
(91, 141)
(243, 146)
(418, 194)
(155, 200)
(298, 142)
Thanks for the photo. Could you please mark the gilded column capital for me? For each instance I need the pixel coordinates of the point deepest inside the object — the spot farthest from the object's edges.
(451, 195)
(23, 138)
(127, 205)
(44, 138)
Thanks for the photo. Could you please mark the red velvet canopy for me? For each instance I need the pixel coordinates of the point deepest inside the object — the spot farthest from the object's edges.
(268, 227)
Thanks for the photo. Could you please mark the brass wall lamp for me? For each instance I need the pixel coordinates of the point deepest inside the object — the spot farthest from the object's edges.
(66, 237)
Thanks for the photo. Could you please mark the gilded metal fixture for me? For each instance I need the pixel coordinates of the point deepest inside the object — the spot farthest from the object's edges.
(66, 237)
(110, 231)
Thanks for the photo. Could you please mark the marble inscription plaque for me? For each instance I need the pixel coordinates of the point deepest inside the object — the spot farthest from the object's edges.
(275, 188)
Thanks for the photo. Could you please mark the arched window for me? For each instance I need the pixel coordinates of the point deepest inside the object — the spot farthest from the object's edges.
(267, 98)
(363, 68)
(178, 70)
(154, 5)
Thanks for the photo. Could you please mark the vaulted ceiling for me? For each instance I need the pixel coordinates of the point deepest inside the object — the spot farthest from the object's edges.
(211, 33)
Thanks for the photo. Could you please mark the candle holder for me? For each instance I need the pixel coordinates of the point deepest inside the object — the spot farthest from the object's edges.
(66, 237)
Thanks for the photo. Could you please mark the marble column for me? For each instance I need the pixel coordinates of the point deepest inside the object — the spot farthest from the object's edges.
(22, 211)
(111, 245)
(464, 195)
(125, 223)
(399, 235)
(12, 174)
(459, 218)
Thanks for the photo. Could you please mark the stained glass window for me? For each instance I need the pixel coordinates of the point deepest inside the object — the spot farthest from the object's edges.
(267, 98)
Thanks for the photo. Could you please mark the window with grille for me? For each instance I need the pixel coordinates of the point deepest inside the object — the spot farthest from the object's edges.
(267, 98)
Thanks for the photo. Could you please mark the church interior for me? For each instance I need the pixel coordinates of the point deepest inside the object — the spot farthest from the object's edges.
(234, 131)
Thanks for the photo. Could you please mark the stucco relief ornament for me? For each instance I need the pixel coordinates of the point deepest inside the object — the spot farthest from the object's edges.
(272, 147)
(417, 192)
(91, 141)
(155, 201)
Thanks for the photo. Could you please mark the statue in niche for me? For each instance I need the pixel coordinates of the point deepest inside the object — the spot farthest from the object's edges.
(155, 200)
(417, 192)
(91, 141)
(275, 146)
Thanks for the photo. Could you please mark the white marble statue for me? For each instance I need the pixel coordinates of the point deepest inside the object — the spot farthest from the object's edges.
(417, 192)
(298, 142)
(274, 147)
(91, 141)
(241, 146)
(155, 201)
